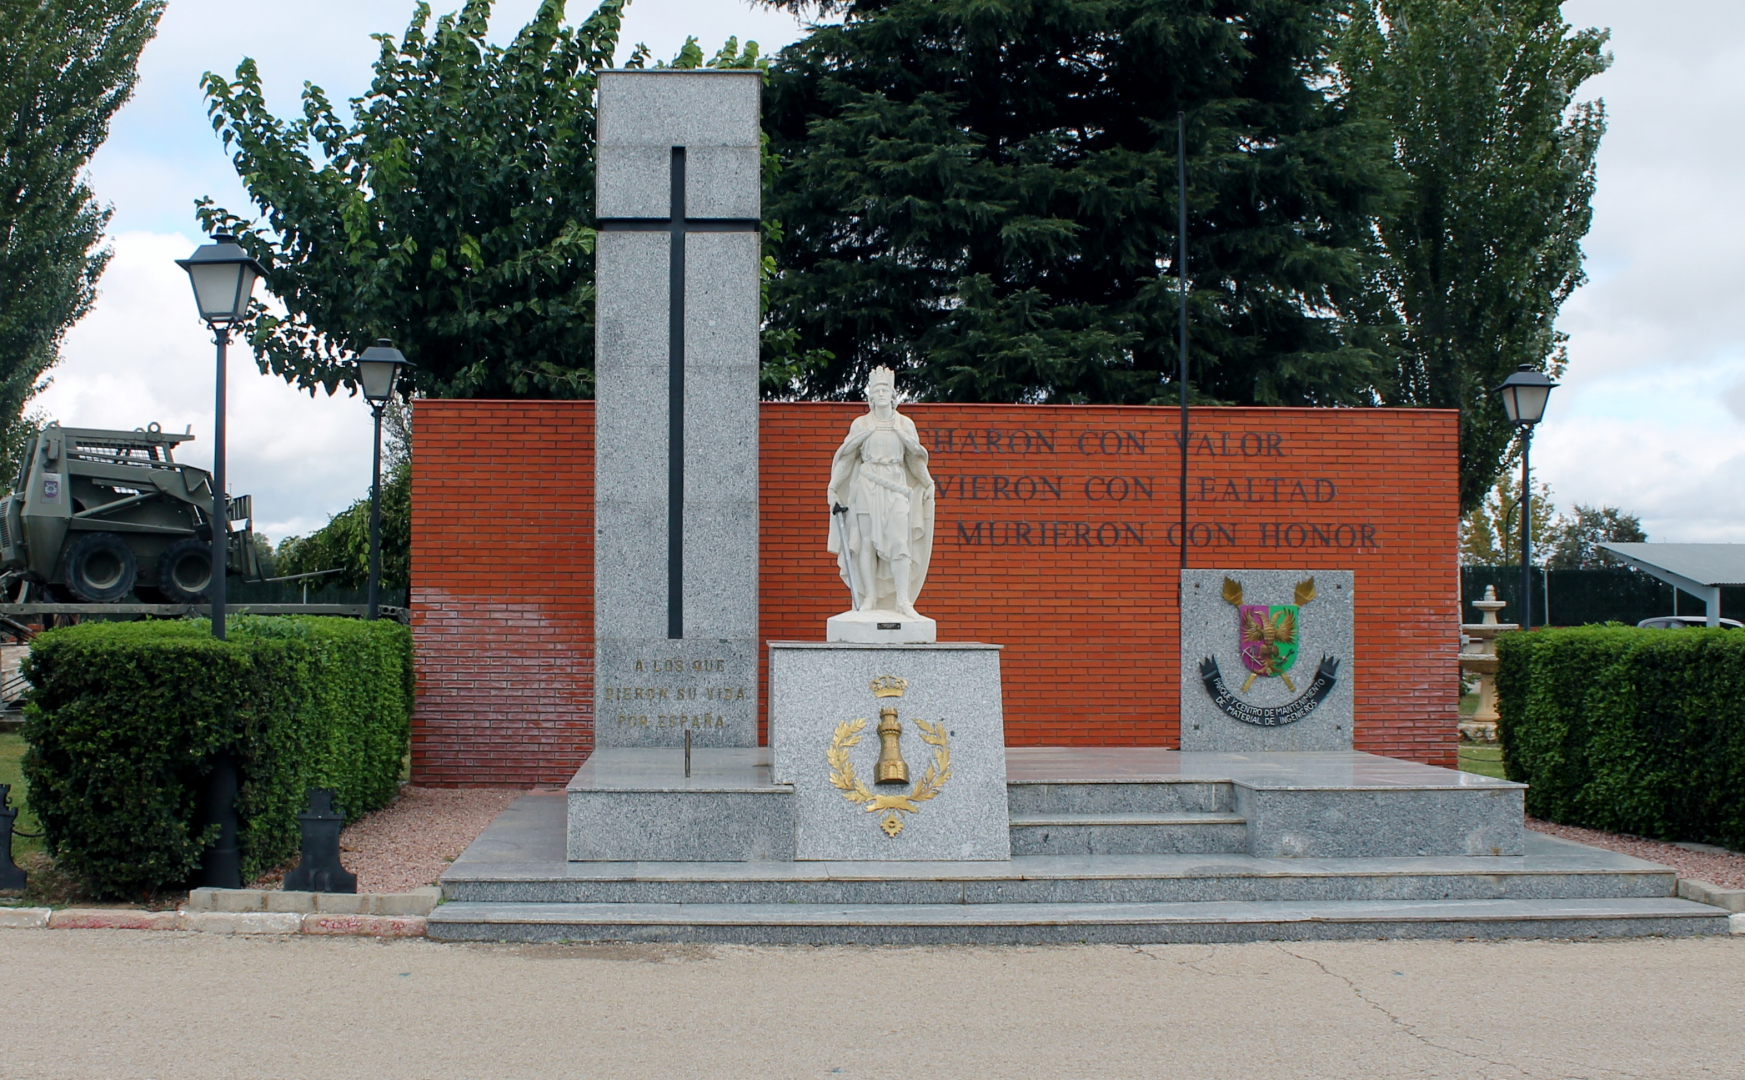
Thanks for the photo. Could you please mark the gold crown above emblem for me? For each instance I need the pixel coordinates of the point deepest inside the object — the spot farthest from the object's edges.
(889, 686)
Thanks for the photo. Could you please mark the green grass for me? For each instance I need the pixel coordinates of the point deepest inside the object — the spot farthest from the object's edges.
(11, 755)
(1484, 759)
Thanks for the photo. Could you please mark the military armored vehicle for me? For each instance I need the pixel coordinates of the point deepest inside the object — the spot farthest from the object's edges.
(95, 515)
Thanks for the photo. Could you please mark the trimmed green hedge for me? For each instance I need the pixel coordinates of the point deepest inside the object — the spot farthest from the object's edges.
(1627, 730)
(125, 719)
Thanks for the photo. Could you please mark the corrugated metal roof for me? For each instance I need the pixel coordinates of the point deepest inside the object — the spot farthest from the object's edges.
(1706, 564)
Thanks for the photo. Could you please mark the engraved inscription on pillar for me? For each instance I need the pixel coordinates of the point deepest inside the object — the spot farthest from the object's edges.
(675, 550)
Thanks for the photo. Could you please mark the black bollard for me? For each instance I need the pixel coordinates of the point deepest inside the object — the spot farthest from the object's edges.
(320, 870)
(221, 865)
(11, 877)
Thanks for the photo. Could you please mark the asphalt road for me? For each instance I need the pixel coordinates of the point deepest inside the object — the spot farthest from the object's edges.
(135, 1004)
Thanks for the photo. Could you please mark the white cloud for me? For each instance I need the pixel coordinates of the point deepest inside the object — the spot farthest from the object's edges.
(143, 355)
(1651, 416)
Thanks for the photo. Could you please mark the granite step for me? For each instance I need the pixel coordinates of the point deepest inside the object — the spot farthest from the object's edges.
(1161, 796)
(1142, 833)
(988, 924)
(1556, 869)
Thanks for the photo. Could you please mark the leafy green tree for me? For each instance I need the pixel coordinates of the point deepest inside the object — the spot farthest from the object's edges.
(452, 214)
(344, 542)
(984, 193)
(1496, 163)
(1490, 533)
(1578, 536)
(66, 66)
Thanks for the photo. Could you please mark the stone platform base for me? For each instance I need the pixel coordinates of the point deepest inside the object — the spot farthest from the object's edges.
(636, 804)
(514, 884)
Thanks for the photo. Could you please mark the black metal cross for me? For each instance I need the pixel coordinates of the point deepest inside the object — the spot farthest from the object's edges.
(677, 225)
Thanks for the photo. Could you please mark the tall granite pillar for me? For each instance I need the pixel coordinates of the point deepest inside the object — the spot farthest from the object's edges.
(675, 473)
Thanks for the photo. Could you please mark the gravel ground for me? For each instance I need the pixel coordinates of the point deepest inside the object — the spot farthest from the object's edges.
(132, 1004)
(408, 844)
(1726, 870)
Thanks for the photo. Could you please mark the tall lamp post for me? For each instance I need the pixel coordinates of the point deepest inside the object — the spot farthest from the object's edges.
(223, 276)
(1524, 394)
(377, 369)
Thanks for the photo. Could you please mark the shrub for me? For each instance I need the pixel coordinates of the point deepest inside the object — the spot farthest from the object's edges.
(1628, 730)
(125, 719)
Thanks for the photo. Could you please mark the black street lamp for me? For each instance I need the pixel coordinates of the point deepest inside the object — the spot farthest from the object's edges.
(378, 368)
(1524, 395)
(223, 276)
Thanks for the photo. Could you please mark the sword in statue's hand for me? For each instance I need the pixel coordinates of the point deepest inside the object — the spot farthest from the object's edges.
(839, 521)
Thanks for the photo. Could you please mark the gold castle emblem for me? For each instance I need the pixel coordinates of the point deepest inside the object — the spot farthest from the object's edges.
(891, 768)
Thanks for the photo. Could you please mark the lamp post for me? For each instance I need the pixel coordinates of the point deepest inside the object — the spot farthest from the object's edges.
(377, 370)
(1524, 394)
(223, 276)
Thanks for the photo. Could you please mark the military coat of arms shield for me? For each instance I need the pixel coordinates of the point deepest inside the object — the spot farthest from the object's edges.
(1266, 660)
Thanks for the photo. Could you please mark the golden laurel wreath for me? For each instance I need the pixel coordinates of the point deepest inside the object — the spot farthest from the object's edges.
(855, 790)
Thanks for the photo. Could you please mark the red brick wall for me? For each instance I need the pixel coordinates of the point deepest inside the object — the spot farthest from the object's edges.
(503, 593)
(1055, 537)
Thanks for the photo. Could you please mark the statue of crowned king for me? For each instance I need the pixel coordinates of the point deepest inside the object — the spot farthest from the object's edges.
(881, 513)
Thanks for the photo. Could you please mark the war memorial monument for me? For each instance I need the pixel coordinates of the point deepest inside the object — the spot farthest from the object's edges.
(889, 802)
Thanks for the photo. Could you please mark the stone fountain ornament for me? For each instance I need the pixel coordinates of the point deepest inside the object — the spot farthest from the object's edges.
(881, 523)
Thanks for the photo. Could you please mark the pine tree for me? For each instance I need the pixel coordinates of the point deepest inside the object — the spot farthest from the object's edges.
(984, 194)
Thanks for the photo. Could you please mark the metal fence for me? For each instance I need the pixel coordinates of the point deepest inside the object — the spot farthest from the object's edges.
(1581, 597)
(293, 592)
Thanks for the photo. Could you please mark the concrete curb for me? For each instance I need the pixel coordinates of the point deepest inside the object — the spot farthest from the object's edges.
(365, 925)
(417, 902)
(25, 918)
(1704, 893)
(252, 911)
(242, 922)
(113, 919)
(1736, 924)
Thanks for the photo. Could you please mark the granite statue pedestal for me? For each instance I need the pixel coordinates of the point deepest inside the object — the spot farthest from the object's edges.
(828, 702)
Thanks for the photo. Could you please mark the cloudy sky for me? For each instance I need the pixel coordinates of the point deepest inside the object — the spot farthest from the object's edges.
(1651, 416)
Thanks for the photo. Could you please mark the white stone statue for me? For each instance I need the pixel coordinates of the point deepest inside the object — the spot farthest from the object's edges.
(881, 521)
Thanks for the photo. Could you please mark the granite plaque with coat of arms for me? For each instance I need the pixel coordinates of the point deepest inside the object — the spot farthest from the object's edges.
(1267, 660)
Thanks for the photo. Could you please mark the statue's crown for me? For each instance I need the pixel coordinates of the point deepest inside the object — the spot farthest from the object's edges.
(889, 686)
(881, 375)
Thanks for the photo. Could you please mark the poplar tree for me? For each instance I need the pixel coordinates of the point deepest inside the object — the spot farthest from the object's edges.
(66, 66)
(982, 195)
(1495, 159)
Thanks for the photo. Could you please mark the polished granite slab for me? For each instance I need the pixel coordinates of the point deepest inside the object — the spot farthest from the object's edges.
(748, 768)
(1300, 770)
(622, 768)
(917, 924)
(526, 843)
(637, 804)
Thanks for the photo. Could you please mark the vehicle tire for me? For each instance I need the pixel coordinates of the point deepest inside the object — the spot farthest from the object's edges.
(100, 568)
(185, 571)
